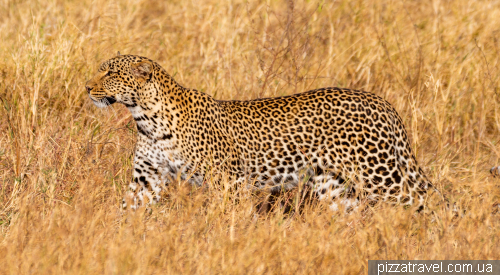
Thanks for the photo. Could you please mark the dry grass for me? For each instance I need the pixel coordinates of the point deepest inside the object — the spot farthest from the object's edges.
(64, 164)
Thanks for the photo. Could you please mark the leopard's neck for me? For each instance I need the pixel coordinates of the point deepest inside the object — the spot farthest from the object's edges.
(155, 113)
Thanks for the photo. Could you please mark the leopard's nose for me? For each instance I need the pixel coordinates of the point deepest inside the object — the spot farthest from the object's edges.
(88, 89)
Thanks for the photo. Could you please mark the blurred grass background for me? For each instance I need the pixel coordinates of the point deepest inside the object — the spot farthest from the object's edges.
(64, 164)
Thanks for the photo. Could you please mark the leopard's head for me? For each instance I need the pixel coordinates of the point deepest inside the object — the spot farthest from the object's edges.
(119, 79)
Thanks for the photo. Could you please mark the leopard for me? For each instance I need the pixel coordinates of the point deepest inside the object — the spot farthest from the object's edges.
(348, 146)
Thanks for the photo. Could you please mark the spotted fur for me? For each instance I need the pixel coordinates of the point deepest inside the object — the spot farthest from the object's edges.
(346, 144)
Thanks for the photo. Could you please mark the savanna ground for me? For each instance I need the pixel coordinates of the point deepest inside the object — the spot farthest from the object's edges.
(64, 164)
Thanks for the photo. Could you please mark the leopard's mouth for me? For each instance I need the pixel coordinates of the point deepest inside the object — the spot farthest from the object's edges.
(103, 102)
(110, 99)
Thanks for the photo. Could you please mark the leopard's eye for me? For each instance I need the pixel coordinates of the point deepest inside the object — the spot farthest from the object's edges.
(109, 73)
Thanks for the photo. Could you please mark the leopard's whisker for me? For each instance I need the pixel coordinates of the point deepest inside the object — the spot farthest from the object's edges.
(110, 108)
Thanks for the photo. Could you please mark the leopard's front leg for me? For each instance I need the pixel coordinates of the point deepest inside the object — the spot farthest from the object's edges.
(145, 187)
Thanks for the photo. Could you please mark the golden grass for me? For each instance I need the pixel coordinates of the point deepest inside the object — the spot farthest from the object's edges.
(64, 164)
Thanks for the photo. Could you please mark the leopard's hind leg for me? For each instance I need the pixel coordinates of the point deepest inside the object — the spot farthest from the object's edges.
(334, 189)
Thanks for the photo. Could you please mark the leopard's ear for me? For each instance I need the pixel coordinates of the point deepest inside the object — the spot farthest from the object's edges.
(142, 70)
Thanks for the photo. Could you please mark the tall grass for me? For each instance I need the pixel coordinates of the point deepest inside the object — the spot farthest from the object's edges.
(64, 164)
